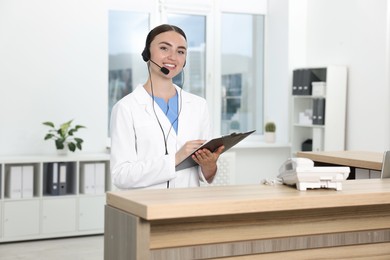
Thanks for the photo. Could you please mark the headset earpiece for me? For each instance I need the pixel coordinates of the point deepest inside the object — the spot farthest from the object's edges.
(146, 54)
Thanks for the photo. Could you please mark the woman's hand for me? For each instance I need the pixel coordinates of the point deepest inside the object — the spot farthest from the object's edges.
(208, 161)
(188, 148)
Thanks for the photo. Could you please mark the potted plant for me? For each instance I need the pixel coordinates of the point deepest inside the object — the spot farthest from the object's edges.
(64, 136)
(269, 133)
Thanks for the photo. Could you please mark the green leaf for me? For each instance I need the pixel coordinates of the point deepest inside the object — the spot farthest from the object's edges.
(49, 136)
(78, 140)
(49, 124)
(72, 147)
(79, 126)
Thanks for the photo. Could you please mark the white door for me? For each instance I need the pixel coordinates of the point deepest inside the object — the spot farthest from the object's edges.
(58, 215)
(21, 218)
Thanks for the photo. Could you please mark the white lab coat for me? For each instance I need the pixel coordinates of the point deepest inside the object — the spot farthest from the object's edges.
(138, 158)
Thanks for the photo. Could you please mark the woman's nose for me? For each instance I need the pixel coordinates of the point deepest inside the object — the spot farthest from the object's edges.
(172, 55)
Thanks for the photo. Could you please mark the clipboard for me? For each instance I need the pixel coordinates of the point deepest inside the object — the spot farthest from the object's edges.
(228, 141)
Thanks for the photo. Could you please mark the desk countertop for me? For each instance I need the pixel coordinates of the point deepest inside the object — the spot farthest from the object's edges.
(359, 159)
(225, 200)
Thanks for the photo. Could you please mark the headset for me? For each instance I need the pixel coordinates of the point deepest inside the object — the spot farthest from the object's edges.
(146, 57)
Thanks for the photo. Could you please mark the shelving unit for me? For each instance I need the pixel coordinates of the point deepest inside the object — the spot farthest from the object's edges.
(43, 215)
(327, 135)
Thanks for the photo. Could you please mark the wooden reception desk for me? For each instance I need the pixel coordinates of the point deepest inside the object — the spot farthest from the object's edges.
(355, 159)
(250, 222)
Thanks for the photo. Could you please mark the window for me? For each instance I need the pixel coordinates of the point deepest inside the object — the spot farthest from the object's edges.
(127, 32)
(242, 52)
(194, 27)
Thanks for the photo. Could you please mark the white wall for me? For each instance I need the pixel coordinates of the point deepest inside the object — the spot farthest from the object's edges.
(53, 67)
(354, 33)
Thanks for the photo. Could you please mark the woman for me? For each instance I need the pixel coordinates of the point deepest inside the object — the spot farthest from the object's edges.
(158, 125)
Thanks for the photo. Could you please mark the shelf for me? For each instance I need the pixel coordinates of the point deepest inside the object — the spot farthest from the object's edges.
(309, 126)
(29, 207)
(327, 107)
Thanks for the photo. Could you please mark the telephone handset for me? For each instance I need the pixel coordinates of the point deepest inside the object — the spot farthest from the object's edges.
(290, 166)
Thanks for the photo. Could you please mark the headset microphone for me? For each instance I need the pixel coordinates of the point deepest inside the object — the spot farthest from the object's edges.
(162, 69)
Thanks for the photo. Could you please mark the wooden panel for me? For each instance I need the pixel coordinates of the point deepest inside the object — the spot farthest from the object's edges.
(197, 231)
(359, 159)
(289, 247)
(379, 251)
(126, 237)
(209, 201)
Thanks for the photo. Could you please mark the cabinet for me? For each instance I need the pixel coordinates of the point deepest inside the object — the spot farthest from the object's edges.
(319, 109)
(46, 196)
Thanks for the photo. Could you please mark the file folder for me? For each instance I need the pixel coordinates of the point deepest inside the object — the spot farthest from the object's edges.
(62, 179)
(27, 181)
(228, 141)
(319, 111)
(93, 178)
(14, 182)
(88, 178)
(52, 179)
(100, 178)
(297, 81)
(307, 78)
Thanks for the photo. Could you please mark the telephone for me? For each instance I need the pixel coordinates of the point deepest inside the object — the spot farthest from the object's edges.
(302, 173)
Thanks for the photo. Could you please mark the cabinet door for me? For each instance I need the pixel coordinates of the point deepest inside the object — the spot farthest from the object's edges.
(91, 210)
(58, 215)
(21, 218)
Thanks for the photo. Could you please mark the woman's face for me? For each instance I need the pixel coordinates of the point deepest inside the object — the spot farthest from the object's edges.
(169, 50)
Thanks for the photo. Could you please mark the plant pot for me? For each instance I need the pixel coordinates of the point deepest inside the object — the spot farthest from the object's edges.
(269, 137)
(64, 151)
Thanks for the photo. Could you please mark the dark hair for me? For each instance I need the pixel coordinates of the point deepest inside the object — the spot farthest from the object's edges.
(156, 31)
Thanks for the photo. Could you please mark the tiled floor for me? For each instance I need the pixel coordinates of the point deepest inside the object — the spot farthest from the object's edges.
(75, 248)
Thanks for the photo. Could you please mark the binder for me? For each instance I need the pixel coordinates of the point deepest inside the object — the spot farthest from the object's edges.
(88, 178)
(228, 141)
(319, 111)
(52, 179)
(100, 178)
(14, 182)
(297, 81)
(62, 184)
(306, 82)
(93, 178)
(27, 181)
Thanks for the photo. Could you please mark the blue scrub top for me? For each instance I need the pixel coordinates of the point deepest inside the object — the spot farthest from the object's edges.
(170, 109)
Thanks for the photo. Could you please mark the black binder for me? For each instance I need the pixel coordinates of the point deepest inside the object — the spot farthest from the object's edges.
(307, 78)
(228, 141)
(297, 81)
(56, 179)
(319, 111)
